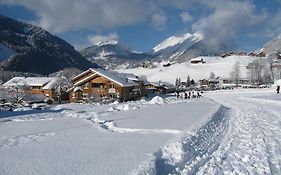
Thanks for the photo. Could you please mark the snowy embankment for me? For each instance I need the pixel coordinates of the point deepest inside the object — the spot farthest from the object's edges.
(95, 139)
(222, 67)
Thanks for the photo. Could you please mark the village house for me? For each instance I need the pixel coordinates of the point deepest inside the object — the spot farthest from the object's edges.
(238, 53)
(35, 85)
(99, 84)
(197, 61)
(159, 87)
(222, 83)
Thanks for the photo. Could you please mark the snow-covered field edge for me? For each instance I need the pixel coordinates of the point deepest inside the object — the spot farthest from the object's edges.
(191, 150)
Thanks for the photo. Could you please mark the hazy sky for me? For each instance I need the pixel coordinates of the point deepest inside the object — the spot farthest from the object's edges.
(142, 24)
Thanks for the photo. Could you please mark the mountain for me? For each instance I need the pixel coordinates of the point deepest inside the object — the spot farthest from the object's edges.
(184, 47)
(111, 54)
(273, 46)
(6, 52)
(27, 48)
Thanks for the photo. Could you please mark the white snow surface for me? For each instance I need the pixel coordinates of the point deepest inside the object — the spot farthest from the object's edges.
(175, 40)
(157, 100)
(110, 42)
(94, 139)
(5, 52)
(225, 132)
(222, 67)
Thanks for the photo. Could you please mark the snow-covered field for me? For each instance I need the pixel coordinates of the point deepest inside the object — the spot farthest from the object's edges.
(222, 67)
(225, 132)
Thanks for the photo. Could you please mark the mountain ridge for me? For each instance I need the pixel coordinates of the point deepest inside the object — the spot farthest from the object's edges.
(37, 51)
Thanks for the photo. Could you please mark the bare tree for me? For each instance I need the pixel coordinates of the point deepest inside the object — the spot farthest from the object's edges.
(259, 72)
(188, 83)
(212, 75)
(235, 74)
(271, 66)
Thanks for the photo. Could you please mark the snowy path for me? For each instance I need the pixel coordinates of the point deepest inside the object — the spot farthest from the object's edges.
(253, 142)
(243, 137)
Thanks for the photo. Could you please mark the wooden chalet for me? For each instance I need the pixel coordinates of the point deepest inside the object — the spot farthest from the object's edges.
(99, 84)
(35, 85)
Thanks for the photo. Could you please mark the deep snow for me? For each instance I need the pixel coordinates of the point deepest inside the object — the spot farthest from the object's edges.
(226, 132)
(94, 139)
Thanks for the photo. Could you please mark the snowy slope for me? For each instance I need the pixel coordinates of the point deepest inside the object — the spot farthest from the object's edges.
(182, 48)
(176, 46)
(220, 66)
(273, 46)
(5, 52)
(172, 43)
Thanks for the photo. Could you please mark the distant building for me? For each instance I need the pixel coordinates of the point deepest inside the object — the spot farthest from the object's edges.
(197, 61)
(159, 87)
(260, 54)
(36, 85)
(99, 84)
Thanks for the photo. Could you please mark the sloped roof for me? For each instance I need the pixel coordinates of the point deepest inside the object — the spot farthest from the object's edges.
(45, 82)
(16, 81)
(116, 77)
(163, 84)
(85, 79)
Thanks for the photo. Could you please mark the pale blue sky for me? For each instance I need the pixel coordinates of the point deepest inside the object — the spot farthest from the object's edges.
(142, 24)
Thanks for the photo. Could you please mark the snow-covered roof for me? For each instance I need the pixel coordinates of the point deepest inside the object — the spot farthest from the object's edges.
(163, 84)
(45, 82)
(81, 74)
(196, 59)
(85, 79)
(77, 89)
(16, 81)
(115, 77)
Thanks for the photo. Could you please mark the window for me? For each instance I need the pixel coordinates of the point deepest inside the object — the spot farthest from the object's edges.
(86, 85)
(36, 87)
(98, 85)
(112, 85)
(73, 94)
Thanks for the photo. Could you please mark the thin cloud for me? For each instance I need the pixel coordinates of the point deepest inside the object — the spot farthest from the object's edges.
(186, 17)
(158, 21)
(95, 39)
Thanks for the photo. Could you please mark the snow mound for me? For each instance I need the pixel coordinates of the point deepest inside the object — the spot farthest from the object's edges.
(157, 100)
(125, 107)
(23, 109)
